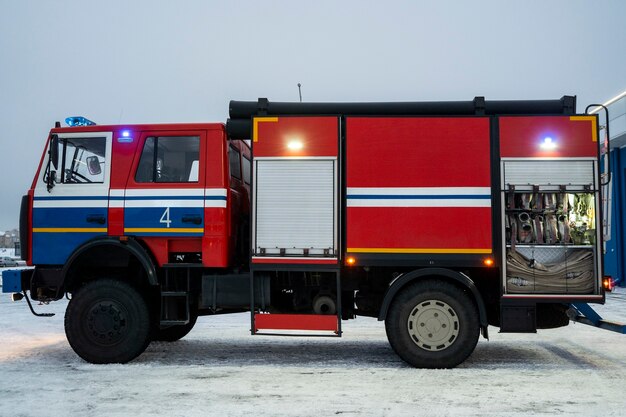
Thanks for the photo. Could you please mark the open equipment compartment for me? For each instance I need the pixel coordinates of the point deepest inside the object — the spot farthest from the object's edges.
(550, 249)
(550, 214)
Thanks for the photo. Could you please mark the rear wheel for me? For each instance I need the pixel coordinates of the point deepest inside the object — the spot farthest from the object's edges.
(433, 324)
(107, 321)
(174, 333)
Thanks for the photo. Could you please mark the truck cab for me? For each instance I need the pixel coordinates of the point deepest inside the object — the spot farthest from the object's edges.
(179, 191)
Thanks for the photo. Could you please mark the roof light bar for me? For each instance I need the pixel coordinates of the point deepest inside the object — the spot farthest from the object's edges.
(75, 121)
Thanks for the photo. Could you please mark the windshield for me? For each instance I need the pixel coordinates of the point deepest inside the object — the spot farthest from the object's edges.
(82, 160)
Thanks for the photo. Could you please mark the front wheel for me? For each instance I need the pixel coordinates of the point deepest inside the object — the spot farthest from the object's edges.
(107, 321)
(433, 324)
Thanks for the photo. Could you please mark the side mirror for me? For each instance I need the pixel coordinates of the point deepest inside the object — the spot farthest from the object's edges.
(53, 161)
(50, 180)
(93, 165)
(54, 151)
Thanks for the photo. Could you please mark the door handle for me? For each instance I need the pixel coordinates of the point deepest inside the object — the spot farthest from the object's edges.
(192, 219)
(96, 219)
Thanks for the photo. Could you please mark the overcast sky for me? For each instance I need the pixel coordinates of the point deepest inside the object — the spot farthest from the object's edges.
(182, 61)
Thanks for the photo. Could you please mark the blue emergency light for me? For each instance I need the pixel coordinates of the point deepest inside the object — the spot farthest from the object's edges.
(78, 121)
(125, 137)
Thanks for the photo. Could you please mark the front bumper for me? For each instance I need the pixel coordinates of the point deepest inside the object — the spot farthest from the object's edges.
(16, 280)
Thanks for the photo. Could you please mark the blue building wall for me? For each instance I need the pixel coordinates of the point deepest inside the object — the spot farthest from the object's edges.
(614, 259)
(615, 256)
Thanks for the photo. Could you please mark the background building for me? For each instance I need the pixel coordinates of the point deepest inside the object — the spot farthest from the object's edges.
(9, 238)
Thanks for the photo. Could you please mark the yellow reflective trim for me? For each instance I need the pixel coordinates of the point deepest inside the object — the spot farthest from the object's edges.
(255, 126)
(593, 120)
(163, 230)
(417, 250)
(69, 229)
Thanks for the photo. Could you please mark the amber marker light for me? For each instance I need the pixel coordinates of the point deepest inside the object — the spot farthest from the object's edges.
(608, 284)
(488, 262)
(350, 260)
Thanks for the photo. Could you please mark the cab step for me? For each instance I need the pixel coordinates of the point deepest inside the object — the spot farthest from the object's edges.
(175, 295)
(166, 323)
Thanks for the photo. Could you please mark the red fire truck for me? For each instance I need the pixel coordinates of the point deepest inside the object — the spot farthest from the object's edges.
(438, 218)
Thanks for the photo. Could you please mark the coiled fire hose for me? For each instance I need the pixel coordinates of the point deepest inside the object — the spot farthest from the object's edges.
(538, 228)
(525, 228)
(573, 275)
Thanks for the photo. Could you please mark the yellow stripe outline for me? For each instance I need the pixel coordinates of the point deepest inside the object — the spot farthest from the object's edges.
(163, 230)
(593, 120)
(420, 250)
(70, 229)
(255, 126)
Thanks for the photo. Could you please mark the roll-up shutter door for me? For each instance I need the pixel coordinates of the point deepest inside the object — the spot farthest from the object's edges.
(295, 207)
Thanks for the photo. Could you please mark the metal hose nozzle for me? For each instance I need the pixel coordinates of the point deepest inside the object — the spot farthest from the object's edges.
(524, 219)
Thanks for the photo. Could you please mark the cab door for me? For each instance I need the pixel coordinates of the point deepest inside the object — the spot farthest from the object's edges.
(71, 196)
(164, 197)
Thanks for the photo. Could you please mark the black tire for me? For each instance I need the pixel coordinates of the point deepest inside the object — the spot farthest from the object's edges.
(174, 333)
(432, 324)
(107, 321)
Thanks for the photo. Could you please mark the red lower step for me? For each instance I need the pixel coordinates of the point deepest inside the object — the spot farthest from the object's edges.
(315, 322)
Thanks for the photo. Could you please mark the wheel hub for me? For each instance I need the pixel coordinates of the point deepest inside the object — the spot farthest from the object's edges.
(433, 325)
(106, 323)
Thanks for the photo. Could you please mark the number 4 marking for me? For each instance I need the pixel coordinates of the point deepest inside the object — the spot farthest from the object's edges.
(165, 218)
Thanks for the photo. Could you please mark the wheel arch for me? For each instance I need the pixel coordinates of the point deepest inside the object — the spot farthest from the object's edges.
(444, 274)
(117, 248)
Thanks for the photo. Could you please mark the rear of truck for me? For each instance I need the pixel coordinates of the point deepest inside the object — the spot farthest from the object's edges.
(439, 218)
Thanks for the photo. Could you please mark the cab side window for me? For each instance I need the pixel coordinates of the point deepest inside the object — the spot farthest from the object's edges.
(169, 159)
(247, 166)
(235, 162)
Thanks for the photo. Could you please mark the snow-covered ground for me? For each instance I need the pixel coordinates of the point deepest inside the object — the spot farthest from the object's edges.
(220, 370)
